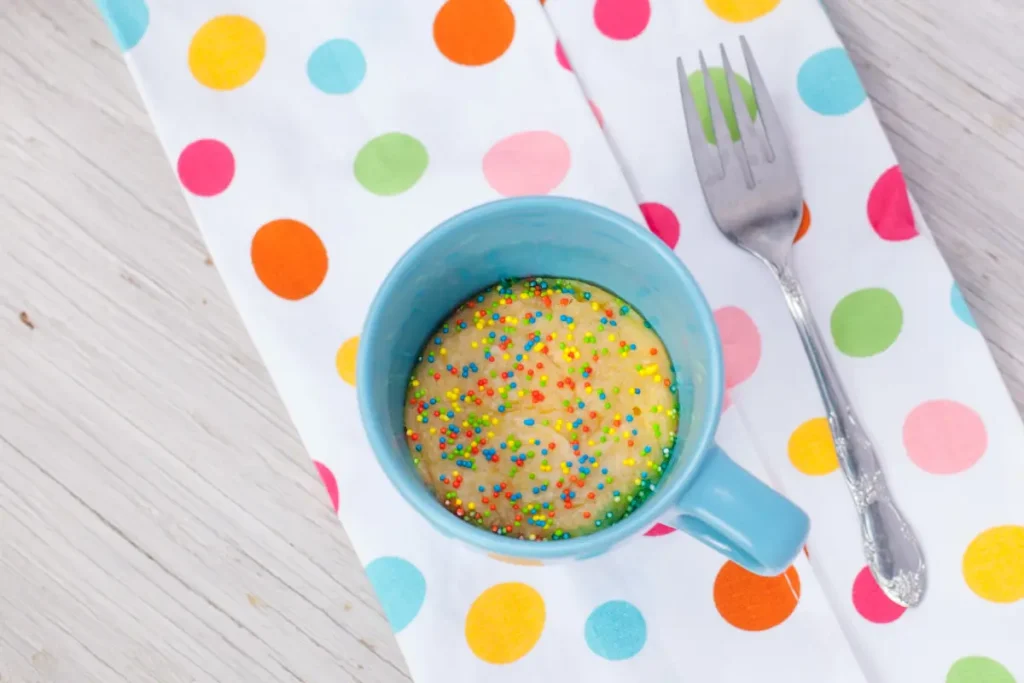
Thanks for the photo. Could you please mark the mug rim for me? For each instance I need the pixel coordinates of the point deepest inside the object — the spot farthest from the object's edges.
(591, 544)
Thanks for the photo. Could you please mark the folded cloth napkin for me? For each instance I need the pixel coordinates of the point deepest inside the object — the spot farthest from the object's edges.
(316, 144)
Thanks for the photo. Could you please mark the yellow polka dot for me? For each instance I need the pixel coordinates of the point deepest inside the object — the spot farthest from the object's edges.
(741, 10)
(520, 561)
(346, 360)
(505, 622)
(226, 52)
(811, 449)
(994, 564)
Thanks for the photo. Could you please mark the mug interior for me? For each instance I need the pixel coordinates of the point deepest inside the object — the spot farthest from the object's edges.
(540, 236)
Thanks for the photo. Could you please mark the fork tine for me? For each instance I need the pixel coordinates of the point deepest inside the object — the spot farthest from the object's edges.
(775, 135)
(707, 165)
(749, 139)
(722, 135)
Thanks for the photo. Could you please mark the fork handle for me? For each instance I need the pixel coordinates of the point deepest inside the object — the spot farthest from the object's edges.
(893, 553)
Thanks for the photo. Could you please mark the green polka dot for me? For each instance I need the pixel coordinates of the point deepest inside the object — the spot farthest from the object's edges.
(978, 670)
(866, 322)
(700, 97)
(391, 163)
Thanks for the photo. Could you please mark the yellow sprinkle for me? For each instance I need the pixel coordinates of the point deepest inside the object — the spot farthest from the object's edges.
(522, 393)
(636, 481)
(611, 337)
(472, 506)
(554, 335)
(433, 430)
(572, 326)
(650, 463)
(444, 351)
(588, 389)
(594, 306)
(473, 345)
(480, 325)
(544, 378)
(408, 432)
(504, 356)
(591, 442)
(458, 501)
(568, 336)
(490, 435)
(617, 416)
(657, 378)
(524, 295)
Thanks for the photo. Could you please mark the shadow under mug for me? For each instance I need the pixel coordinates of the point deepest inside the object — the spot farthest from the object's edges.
(717, 501)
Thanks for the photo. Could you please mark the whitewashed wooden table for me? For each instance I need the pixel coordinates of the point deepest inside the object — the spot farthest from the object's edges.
(159, 520)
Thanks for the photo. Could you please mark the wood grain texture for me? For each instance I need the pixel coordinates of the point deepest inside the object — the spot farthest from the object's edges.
(159, 520)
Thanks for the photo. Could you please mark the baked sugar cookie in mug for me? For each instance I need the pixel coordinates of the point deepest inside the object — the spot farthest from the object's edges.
(543, 409)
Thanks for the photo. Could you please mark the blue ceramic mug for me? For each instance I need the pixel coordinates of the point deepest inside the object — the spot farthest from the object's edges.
(717, 501)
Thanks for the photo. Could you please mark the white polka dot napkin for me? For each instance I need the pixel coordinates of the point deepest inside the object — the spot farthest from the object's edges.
(316, 143)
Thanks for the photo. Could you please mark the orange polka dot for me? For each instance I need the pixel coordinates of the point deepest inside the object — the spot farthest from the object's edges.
(805, 224)
(474, 32)
(755, 603)
(289, 258)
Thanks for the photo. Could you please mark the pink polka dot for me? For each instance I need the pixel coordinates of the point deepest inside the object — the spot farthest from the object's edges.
(944, 437)
(741, 344)
(206, 167)
(662, 222)
(659, 529)
(329, 482)
(528, 163)
(622, 19)
(560, 56)
(889, 207)
(597, 114)
(871, 603)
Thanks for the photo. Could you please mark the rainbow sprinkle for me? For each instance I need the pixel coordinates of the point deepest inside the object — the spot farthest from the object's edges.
(542, 409)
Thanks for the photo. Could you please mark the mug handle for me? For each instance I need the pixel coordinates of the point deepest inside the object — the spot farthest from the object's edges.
(737, 514)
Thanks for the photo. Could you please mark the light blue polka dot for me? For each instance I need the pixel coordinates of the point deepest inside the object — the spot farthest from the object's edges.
(828, 83)
(337, 67)
(959, 304)
(616, 630)
(128, 20)
(400, 587)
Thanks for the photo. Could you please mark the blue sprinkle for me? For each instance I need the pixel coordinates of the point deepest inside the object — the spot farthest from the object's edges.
(528, 422)
(629, 418)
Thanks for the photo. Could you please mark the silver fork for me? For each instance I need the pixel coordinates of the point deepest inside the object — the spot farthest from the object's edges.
(753, 191)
